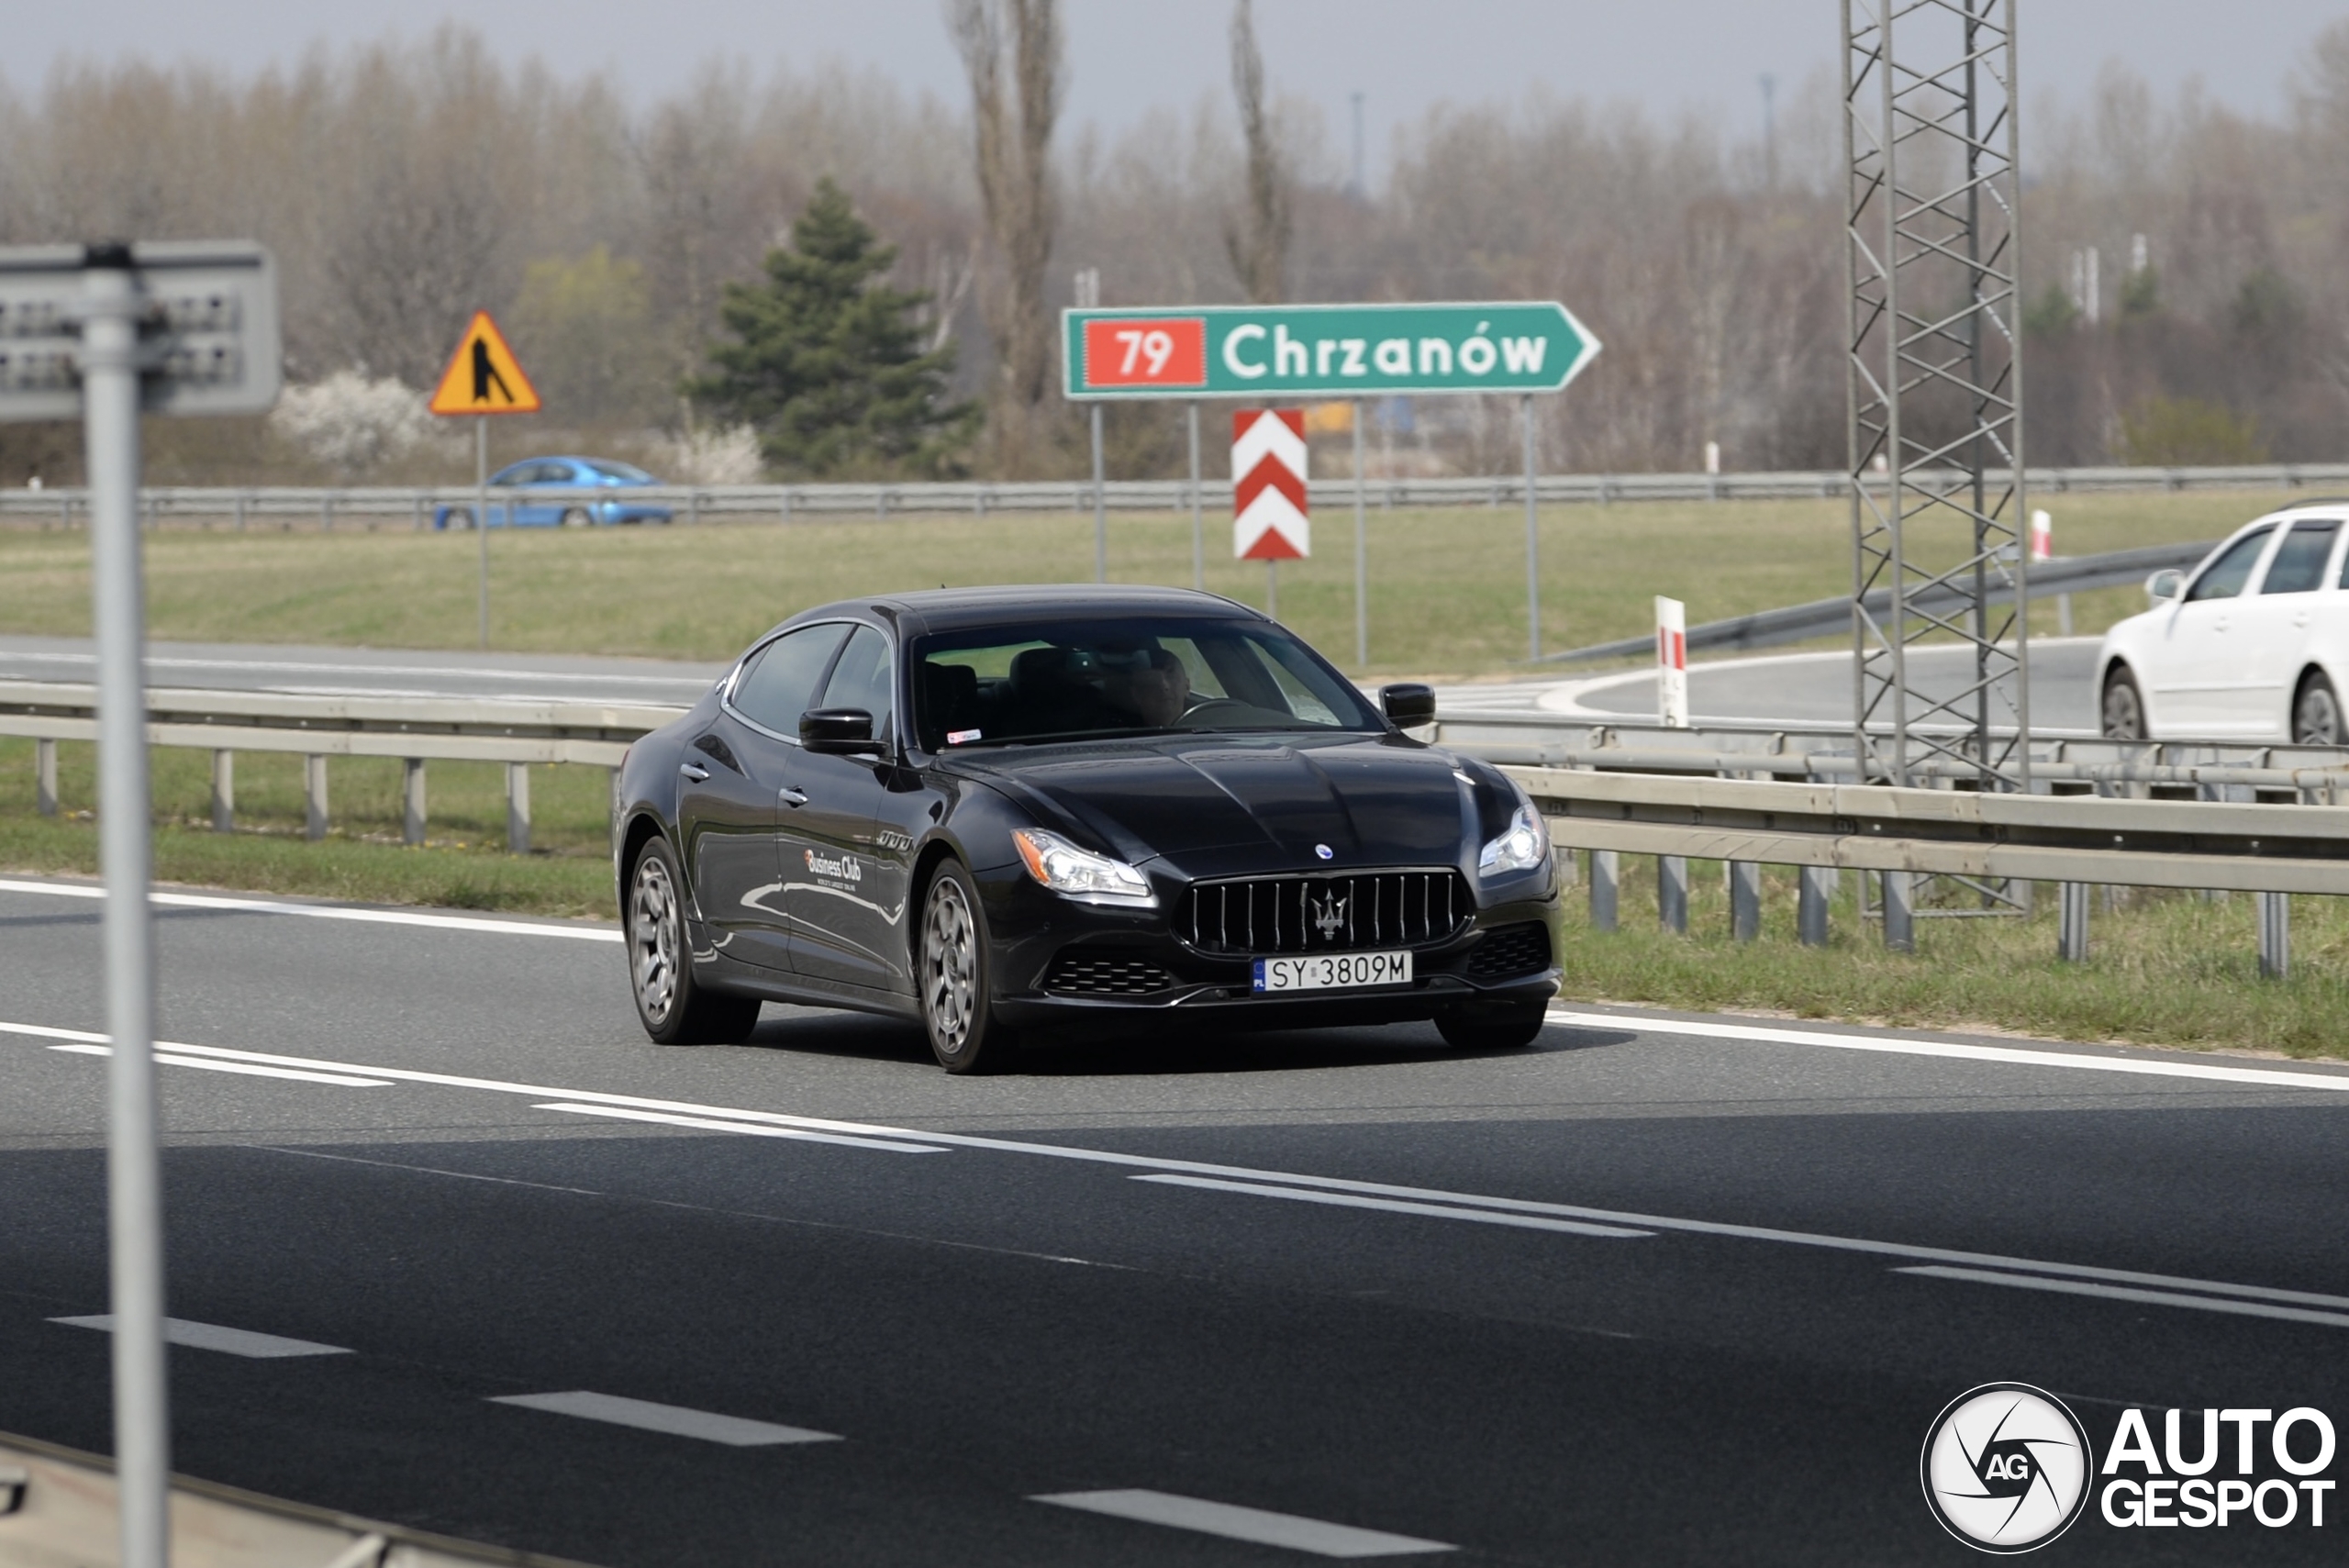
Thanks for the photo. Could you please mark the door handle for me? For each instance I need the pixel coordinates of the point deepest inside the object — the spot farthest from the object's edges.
(791, 796)
(693, 771)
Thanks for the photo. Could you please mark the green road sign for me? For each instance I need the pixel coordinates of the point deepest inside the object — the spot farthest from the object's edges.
(1287, 352)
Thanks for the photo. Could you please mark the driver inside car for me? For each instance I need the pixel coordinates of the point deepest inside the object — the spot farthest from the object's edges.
(1153, 685)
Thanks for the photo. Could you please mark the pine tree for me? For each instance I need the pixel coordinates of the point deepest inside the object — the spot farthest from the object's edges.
(827, 364)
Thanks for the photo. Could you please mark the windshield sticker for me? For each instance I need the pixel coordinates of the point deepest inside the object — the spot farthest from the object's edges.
(957, 736)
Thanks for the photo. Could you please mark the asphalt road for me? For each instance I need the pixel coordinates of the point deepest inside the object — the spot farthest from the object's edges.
(1656, 1291)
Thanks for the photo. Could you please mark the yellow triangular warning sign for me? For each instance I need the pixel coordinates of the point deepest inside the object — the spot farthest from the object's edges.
(482, 377)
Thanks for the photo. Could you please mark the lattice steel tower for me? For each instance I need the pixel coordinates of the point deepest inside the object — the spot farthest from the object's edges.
(1934, 371)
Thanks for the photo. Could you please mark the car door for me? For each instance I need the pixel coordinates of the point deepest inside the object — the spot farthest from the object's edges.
(734, 776)
(541, 503)
(844, 891)
(2276, 623)
(2199, 678)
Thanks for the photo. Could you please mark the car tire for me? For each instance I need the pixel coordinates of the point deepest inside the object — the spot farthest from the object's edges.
(951, 970)
(2316, 712)
(1510, 1027)
(2122, 711)
(576, 517)
(675, 1006)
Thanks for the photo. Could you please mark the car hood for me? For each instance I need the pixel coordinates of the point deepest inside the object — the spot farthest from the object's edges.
(1217, 806)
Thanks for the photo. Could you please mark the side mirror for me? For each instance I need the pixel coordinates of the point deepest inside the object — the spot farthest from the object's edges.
(2164, 584)
(1407, 704)
(838, 732)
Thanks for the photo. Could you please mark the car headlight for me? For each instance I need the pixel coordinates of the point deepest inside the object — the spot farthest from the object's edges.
(1080, 873)
(1522, 846)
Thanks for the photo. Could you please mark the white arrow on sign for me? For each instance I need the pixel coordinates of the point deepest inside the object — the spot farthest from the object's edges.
(1269, 516)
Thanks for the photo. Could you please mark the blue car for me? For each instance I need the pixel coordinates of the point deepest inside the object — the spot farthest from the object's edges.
(560, 492)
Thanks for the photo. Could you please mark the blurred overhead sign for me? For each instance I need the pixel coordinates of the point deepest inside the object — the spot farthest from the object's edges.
(482, 376)
(205, 328)
(1297, 351)
(1269, 521)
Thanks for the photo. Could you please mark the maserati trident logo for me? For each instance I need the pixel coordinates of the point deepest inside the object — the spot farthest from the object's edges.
(1329, 916)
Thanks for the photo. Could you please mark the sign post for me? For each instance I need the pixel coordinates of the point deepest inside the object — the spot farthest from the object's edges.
(1270, 520)
(1313, 352)
(104, 332)
(1671, 662)
(483, 378)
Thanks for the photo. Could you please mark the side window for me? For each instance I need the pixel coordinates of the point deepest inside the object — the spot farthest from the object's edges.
(862, 678)
(779, 683)
(2225, 576)
(2299, 566)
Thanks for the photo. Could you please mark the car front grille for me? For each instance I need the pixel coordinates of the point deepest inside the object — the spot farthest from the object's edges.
(1340, 912)
(1079, 972)
(1510, 951)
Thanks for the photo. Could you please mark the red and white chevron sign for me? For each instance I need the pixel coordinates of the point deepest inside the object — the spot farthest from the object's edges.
(1268, 512)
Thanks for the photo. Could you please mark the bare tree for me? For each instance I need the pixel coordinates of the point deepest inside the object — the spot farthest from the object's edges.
(1021, 39)
(1257, 238)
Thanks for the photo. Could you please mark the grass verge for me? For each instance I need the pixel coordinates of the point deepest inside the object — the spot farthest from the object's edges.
(2164, 967)
(1447, 586)
(461, 865)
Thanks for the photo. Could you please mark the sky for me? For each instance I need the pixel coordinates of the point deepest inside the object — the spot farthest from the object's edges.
(1403, 56)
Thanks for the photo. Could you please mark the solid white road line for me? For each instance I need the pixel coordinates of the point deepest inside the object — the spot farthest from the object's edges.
(330, 912)
(250, 1069)
(717, 1124)
(1240, 1173)
(734, 1431)
(2012, 1056)
(1233, 1523)
(2230, 1303)
(1397, 1206)
(212, 1337)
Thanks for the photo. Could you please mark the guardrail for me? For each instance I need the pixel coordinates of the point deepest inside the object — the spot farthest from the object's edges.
(2151, 814)
(1820, 618)
(415, 729)
(413, 506)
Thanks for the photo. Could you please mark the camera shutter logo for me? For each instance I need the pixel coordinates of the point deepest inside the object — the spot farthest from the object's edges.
(2007, 1467)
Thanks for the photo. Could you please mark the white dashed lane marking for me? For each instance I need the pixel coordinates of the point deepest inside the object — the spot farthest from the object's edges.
(2219, 1297)
(1397, 1206)
(675, 1420)
(251, 1069)
(1259, 1526)
(213, 1337)
(752, 1128)
(1254, 1181)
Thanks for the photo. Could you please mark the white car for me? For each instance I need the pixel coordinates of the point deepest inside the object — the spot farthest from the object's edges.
(2252, 644)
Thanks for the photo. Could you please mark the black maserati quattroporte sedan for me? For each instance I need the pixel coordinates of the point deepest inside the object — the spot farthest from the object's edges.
(1055, 813)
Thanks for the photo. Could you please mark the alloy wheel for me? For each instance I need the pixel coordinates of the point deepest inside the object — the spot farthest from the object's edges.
(2124, 715)
(654, 938)
(950, 963)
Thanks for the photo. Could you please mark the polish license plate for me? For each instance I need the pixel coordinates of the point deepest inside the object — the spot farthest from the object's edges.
(1333, 972)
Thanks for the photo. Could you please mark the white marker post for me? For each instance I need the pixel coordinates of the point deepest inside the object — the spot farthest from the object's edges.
(101, 332)
(1672, 662)
(1270, 517)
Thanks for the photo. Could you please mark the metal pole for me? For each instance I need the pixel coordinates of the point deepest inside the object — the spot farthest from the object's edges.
(1672, 894)
(1605, 885)
(481, 514)
(1100, 509)
(134, 1178)
(1532, 539)
(1199, 539)
(1361, 555)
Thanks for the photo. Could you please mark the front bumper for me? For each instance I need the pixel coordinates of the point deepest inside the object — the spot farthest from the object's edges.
(1031, 929)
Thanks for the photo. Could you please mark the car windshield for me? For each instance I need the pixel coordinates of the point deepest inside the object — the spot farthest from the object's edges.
(1074, 680)
(612, 470)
